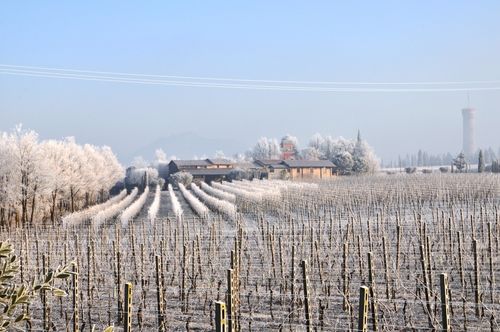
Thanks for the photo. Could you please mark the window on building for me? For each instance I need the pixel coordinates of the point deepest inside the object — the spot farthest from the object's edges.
(311, 170)
(298, 171)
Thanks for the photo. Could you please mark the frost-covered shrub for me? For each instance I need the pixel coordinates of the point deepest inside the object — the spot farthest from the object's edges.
(218, 193)
(133, 210)
(495, 166)
(183, 178)
(79, 217)
(113, 210)
(138, 177)
(344, 162)
(155, 206)
(410, 170)
(176, 206)
(239, 174)
(444, 169)
(194, 202)
(224, 207)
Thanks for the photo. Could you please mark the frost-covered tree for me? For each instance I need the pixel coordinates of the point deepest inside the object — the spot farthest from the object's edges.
(266, 148)
(219, 154)
(274, 149)
(181, 177)
(344, 162)
(460, 162)
(31, 173)
(316, 141)
(161, 156)
(45, 179)
(8, 185)
(142, 177)
(310, 153)
(330, 147)
(139, 162)
(480, 164)
(364, 158)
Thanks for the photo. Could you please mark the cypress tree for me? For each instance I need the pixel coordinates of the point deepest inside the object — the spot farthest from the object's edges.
(480, 164)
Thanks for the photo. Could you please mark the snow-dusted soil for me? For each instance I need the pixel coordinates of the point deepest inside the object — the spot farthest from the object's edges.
(315, 224)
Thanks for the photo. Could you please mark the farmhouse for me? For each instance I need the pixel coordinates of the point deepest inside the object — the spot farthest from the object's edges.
(206, 170)
(309, 169)
(219, 163)
(252, 169)
(297, 169)
(209, 170)
(273, 168)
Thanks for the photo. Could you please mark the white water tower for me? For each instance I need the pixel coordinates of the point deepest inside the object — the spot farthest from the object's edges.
(469, 144)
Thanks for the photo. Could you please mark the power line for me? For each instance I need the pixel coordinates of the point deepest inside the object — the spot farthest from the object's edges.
(252, 80)
(187, 81)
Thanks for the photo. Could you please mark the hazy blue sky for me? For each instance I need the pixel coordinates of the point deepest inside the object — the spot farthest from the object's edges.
(370, 41)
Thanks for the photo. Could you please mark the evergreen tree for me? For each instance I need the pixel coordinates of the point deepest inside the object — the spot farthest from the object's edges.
(495, 168)
(459, 162)
(480, 164)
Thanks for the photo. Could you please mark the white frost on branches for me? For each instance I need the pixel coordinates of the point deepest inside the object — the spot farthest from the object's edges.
(194, 202)
(76, 218)
(37, 178)
(155, 206)
(133, 210)
(266, 192)
(254, 197)
(350, 156)
(218, 193)
(176, 206)
(113, 210)
(266, 148)
(221, 206)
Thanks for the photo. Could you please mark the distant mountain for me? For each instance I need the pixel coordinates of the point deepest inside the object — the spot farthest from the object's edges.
(187, 145)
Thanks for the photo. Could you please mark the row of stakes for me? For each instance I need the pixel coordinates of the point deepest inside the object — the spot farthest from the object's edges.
(227, 313)
(223, 321)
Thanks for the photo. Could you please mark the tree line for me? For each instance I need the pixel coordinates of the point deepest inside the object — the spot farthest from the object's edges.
(41, 180)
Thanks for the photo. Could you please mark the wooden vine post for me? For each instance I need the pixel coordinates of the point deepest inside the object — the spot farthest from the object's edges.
(292, 286)
(490, 260)
(45, 314)
(231, 322)
(127, 322)
(75, 298)
(306, 296)
(220, 317)
(363, 309)
(426, 285)
(118, 278)
(371, 282)
(345, 278)
(236, 266)
(445, 309)
(159, 294)
(233, 294)
(477, 292)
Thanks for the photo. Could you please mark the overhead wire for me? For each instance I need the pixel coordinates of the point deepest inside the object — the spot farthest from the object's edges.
(249, 84)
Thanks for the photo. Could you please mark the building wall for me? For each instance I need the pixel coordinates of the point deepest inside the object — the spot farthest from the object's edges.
(219, 166)
(310, 173)
(275, 174)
